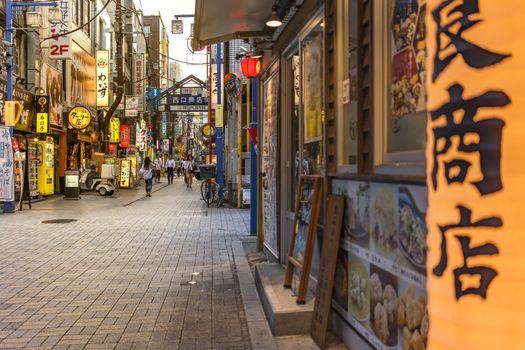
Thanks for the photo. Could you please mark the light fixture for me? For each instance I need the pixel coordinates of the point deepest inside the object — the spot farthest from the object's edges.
(274, 21)
(33, 19)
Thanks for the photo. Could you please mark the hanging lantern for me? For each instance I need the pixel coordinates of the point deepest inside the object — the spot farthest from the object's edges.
(250, 67)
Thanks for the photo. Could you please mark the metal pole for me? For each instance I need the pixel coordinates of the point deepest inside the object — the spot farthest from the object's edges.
(9, 207)
(253, 164)
(210, 117)
(218, 139)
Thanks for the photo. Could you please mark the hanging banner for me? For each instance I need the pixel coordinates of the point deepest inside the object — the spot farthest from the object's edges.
(42, 114)
(475, 143)
(82, 81)
(102, 60)
(114, 130)
(79, 118)
(142, 139)
(125, 135)
(132, 105)
(51, 79)
(60, 46)
(7, 184)
(164, 124)
(139, 80)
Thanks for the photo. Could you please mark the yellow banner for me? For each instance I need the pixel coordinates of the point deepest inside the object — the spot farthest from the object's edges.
(42, 123)
(115, 130)
(476, 261)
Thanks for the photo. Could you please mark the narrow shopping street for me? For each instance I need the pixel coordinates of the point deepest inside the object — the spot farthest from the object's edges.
(118, 276)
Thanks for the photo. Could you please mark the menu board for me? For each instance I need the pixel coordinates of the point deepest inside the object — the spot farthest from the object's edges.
(381, 277)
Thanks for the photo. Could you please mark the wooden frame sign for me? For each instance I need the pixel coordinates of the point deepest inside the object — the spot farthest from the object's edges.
(306, 216)
(325, 278)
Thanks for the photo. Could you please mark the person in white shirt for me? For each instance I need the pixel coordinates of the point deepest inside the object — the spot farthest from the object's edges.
(158, 166)
(147, 173)
(170, 167)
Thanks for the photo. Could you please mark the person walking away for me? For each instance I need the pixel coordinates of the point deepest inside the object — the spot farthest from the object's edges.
(147, 173)
(158, 167)
(188, 170)
(178, 166)
(170, 166)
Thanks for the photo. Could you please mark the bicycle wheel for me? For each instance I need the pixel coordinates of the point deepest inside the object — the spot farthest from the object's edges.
(208, 193)
(203, 190)
(215, 192)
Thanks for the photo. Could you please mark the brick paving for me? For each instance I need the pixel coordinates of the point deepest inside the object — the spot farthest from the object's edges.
(117, 278)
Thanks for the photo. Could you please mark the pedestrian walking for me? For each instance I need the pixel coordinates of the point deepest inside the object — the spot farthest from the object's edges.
(147, 173)
(178, 166)
(188, 170)
(170, 167)
(158, 168)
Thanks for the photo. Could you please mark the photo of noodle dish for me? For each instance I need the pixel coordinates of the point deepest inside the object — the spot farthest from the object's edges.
(384, 228)
(412, 230)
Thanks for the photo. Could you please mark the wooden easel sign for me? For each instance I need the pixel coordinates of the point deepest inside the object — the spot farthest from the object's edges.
(303, 234)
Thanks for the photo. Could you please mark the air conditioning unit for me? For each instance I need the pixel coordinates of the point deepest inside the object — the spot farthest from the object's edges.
(34, 19)
(54, 15)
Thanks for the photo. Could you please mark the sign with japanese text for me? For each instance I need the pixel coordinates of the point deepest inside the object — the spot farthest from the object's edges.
(125, 135)
(103, 76)
(142, 135)
(114, 136)
(139, 80)
(177, 26)
(125, 173)
(79, 118)
(474, 173)
(164, 126)
(132, 105)
(42, 114)
(7, 185)
(60, 46)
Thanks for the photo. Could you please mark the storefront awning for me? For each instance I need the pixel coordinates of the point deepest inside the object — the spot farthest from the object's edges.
(222, 20)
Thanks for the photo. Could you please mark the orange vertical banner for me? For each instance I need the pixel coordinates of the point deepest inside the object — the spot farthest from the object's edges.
(475, 174)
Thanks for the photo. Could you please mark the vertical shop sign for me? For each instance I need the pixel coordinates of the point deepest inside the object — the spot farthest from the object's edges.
(102, 78)
(164, 124)
(125, 172)
(7, 185)
(60, 46)
(125, 135)
(139, 80)
(42, 114)
(474, 173)
(166, 145)
(141, 139)
(115, 130)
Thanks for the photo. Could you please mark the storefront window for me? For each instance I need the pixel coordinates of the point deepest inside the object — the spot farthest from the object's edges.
(347, 68)
(399, 87)
(312, 102)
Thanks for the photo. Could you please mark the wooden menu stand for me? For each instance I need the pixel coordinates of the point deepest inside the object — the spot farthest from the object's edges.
(300, 254)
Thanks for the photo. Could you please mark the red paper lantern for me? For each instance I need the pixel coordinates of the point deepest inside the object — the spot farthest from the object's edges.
(125, 135)
(250, 67)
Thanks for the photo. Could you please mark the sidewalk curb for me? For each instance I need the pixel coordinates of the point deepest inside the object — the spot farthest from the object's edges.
(260, 334)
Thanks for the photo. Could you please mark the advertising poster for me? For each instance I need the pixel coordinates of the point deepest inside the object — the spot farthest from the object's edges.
(7, 163)
(408, 58)
(25, 98)
(82, 83)
(269, 161)
(46, 170)
(312, 88)
(383, 253)
(52, 84)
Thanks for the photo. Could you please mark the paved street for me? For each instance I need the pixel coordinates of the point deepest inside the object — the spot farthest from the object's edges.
(117, 277)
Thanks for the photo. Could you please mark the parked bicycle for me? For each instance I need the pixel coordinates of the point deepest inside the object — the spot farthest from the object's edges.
(209, 187)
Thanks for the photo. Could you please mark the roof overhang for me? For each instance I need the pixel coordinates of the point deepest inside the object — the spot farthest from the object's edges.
(222, 20)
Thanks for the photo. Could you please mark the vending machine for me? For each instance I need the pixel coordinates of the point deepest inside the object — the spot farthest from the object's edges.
(46, 166)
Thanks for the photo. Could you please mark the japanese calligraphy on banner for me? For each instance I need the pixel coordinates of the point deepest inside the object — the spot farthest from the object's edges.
(114, 136)
(102, 78)
(164, 125)
(7, 185)
(140, 83)
(476, 261)
(42, 114)
(142, 139)
(125, 135)
(60, 46)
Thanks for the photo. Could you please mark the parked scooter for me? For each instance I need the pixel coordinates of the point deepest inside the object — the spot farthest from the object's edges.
(91, 181)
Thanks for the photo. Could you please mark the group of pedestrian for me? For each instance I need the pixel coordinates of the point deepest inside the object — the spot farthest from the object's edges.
(152, 171)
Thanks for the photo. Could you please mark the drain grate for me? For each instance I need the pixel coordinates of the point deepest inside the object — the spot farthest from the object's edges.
(59, 221)
(193, 213)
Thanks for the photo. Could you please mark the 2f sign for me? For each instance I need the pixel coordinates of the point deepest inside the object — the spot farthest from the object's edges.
(59, 50)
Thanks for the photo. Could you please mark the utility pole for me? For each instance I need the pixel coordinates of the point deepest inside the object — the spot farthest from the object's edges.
(119, 58)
